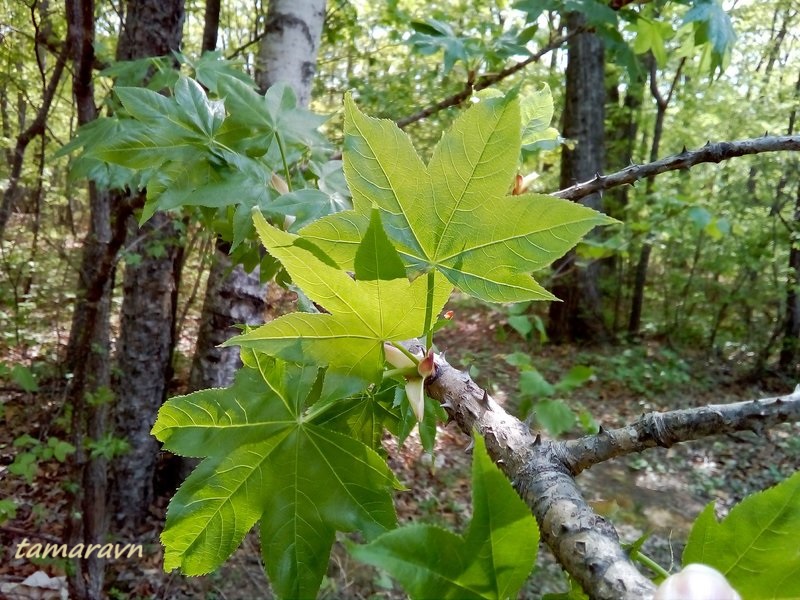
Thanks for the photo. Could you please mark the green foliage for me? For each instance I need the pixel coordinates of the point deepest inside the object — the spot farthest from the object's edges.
(491, 560)
(712, 26)
(755, 546)
(26, 462)
(539, 397)
(21, 375)
(269, 456)
(8, 510)
(218, 150)
(108, 447)
(455, 215)
(289, 445)
(645, 371)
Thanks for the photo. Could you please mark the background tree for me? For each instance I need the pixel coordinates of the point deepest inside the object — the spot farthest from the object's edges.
(150, 288)
(580, 314)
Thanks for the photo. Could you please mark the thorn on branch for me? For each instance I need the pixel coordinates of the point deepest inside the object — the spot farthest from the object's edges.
(538, 440)
(470, 446)
(485, 399)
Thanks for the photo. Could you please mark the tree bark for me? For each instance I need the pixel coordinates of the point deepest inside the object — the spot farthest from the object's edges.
(621, 139)
(210, 26)
(579, 314)
(791, 332)
(288, 49)
(88, 349)
(147, 323)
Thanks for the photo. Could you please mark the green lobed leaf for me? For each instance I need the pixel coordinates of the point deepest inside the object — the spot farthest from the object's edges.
(364, 313)
(268, 460)
(756, 545)
(492, 560)
(454, 216)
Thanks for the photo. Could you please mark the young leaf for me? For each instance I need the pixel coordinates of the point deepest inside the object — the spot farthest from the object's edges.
(364, 313)
(755, 546)
(268, 460)
(493, 558)
(455, 216)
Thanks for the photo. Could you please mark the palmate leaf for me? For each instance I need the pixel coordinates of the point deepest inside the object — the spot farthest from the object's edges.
(380, 305)
(455, 215)
(269, 460)
(756, 545)
(492, 560)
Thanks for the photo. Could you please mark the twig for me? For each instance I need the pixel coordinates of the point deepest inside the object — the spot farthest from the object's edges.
(486, 81)
(715, 153)
(29, 534)
(669, 428)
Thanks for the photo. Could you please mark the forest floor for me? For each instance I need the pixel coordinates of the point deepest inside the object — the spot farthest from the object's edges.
(656, 493)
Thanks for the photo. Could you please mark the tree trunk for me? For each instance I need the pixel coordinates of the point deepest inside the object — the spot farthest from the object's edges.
(147, 323)
(662, 102)
(232, 296)
(288, 49)
(88, 348)
(211, 26)
(579, 314)
(621, 140)
(791, 331)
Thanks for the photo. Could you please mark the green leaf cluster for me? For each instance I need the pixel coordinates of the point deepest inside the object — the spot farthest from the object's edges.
(270, 456)
(215, 143)
(491, 559)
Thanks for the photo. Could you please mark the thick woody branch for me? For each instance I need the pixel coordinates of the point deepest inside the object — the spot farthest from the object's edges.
(543, 472)
(710, 153)
(669, 428)
(585, 544)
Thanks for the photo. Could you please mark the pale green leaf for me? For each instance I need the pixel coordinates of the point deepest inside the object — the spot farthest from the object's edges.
(364, 313)
(755, 546)
(455, 215)
(536, 112)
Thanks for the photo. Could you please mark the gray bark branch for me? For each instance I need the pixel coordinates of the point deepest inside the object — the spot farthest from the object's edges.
(710, 153)
(670, 428)
(543, 471)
